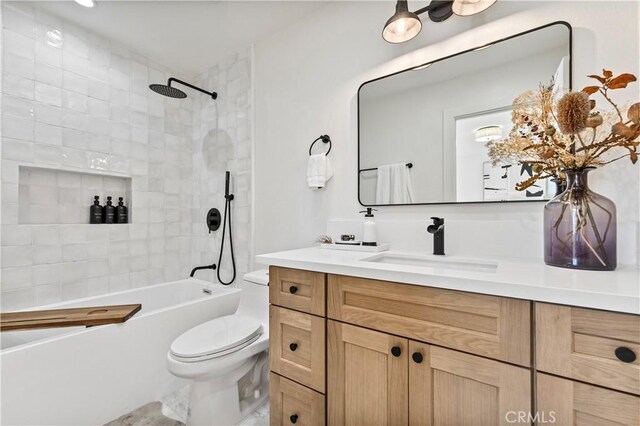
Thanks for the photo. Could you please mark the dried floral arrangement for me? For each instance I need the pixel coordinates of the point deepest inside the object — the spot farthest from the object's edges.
(570, 133)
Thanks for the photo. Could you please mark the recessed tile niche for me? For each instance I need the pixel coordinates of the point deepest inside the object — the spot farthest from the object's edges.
(50, 196)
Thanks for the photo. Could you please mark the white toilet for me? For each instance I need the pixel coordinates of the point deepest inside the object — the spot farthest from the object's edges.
(226, 358)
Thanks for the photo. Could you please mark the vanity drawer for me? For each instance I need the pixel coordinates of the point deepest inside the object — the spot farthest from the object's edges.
(494, 327)
(293, 403)
(296, 289)
(582, 344)
(565, 402)
(297, 346)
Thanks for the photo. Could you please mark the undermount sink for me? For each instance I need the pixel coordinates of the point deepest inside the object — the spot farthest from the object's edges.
(432, 261)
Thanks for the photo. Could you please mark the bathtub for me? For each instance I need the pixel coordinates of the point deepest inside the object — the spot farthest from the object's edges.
(89, 376)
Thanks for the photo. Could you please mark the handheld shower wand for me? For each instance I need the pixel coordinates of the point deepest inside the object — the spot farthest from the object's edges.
(227, 210)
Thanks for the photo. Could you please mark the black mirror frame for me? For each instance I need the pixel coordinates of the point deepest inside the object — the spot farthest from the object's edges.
(565, 23)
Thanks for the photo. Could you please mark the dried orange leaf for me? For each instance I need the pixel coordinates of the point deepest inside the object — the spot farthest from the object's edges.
(634, 113)
(590, 90)
(623, 130)
(607, 73)
(597, 77)
(634, 157)
(621, 81)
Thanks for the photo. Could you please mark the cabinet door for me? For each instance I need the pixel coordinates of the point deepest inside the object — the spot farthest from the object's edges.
(367, 377)
(565, 402)
(592, 346)
(297, 347)
(292, 403)
(453, 388)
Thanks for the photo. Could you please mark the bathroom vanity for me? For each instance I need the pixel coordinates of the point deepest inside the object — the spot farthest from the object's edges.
(402, 338)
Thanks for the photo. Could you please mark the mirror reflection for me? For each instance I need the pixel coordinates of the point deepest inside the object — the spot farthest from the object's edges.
(422, 132)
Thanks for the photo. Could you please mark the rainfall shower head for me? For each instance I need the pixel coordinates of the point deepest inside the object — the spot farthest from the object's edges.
(169, 91)
(172, 92)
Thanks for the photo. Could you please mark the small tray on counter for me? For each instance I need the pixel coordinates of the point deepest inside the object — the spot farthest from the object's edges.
(356, 247)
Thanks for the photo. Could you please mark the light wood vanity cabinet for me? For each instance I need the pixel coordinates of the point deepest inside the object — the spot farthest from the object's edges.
(376, 378)
(371, 352)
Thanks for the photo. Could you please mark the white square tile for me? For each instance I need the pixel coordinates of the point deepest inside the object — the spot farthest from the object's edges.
(13, 235)
(74, 101)
(48, 74)
(18, 86)
(73, 271)
(17, 128)
(18, 65)
(46, 274)
(47, 294)
(48, 55)
(19, 150)
(14, 256)
(17, 44)
(48, 94)
(74, 82)
(48, 114)
(47, 254)
(12, 300)
(48, 134)
(50, 155)
(46, 235)
(15, 278)
(18, 22)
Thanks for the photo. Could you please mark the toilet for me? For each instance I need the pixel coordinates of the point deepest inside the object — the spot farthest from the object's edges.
(226, 359)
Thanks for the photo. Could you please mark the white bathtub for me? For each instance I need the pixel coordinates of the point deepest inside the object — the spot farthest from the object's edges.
(88, 376)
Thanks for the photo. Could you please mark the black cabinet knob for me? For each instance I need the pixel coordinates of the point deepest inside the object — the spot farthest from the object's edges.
(417, 357)
(396, 351)
(293, 346)
(625, 354)
(293, 418)
(293, 289)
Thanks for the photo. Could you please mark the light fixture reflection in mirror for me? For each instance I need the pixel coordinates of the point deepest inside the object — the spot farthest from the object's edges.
(422, 67)
(488, 133)
(471, 7)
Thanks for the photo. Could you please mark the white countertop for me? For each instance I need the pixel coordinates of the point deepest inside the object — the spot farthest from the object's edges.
(617, 290)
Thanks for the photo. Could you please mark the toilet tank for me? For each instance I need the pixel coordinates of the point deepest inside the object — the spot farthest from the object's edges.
(254, 300)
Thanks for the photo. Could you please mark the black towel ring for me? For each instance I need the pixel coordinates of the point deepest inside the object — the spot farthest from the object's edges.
(323, 138)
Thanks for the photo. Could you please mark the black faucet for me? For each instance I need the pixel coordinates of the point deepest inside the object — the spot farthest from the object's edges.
(437, 229)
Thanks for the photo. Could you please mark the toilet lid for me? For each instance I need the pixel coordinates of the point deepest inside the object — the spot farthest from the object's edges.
(218, 335)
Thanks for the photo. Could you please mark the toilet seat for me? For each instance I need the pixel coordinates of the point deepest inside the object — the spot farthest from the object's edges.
(216, 338)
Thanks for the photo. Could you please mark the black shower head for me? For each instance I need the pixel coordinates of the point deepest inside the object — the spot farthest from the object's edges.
(172, 92)
(167, 90)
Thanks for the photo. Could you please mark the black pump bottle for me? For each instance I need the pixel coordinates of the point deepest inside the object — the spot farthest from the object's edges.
(95, 211)
(121, 212)
(109, 212)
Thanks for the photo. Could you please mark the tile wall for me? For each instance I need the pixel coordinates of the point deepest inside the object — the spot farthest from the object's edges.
(222, 133)
(74, 101)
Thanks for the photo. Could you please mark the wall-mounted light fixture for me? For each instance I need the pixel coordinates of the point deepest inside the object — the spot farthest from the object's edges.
(488, 133)
(405, 25)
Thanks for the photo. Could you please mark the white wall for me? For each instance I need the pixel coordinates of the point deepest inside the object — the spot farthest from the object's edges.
(306, 81)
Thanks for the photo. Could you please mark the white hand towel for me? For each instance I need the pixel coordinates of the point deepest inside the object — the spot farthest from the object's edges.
(319, 171)
(394, 184)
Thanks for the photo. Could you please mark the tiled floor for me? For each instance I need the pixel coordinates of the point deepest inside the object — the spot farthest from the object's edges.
(160, 414)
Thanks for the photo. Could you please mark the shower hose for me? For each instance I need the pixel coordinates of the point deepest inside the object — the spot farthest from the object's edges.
(227, 212)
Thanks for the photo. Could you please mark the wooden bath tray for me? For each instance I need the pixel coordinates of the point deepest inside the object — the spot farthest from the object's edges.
(74, 317)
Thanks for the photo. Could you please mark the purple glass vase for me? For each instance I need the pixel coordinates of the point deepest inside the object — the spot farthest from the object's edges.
(580, 227)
